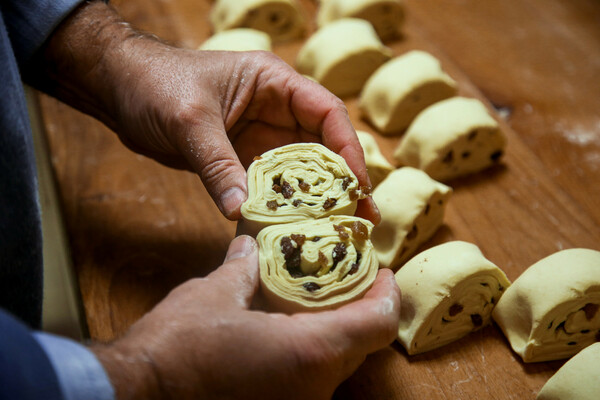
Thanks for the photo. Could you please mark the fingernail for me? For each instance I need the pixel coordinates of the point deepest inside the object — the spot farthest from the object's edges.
(231, 200)
(241, 246)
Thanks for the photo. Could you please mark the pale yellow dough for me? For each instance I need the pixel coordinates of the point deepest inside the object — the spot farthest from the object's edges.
(378, 166)
(452, 138)
(386, 16)
(447, 291)
(342, 55)
(401, 88)
(319, 183)
(240, 39)
(552, 310)
(578, 379)
(280, 19)
(412, 208)
(319, 283)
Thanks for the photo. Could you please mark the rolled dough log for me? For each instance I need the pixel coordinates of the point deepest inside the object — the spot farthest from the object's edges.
(316, 264)
(298, 181)
(280, 19)
(412, 208)
(342, 55)
(578, 379)
(386, 16)
(378, 166)
(452, 138)
(401, 88)
(552, 310)
(240, 39)
(448, 291)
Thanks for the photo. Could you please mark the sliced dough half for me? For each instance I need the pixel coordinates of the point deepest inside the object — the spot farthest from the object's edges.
(447, 291)
(316, 264)
(552, 310)
(342, 55)
(403, 87)
(412, 208)
(452, 138)
(295, 182)
(386, 16)
(280, 19)
(240, 39)
(378, 166)
(577, 379)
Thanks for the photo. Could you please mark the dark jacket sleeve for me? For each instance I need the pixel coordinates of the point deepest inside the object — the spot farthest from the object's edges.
(25, 371)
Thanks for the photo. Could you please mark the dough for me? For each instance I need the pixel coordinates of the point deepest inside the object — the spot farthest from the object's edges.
(578, 379)
(240, 39)
(316, 264)
(448, 291)
(342, 55)
(378, 166)
(401, 88)
(452, 138)
(296, 182)
(552, 310)
(412, 208)
(280, 19)
(386, 16)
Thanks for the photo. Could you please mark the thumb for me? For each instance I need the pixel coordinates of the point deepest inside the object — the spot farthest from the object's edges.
(237, 279)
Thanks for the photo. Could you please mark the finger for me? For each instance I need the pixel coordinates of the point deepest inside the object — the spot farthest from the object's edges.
(367, 209)
(236, 281)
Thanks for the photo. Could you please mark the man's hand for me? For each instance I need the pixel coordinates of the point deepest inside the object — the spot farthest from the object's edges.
(203, 341)
(210, 112)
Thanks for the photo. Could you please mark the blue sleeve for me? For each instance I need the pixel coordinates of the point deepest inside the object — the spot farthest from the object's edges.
(30, 22)
(80, 374)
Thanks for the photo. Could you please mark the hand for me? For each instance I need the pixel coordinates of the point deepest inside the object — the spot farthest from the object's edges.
(210, 112)
(202, 341)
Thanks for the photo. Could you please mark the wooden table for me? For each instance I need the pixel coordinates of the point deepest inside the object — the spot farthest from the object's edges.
(137, 229)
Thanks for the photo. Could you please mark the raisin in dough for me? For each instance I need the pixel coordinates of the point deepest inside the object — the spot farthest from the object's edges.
(577, 379)
(386, 16)
(316, 264)
(240, 39)
(412, 208)
(447, 291)
(280, 19)
(551, 311)
(295, 182)
(452, 138)
(378, 166)
(401, 88)
(342, 55)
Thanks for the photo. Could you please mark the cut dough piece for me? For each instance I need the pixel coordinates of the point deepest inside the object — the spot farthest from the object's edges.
(316, 264)
(412, 208)
(386, 16)
(447, 291)
(577, 379)
(280, 19)
(378, 166)
(401, 88)
(552, 310)
(298, 181)
(342, 55)
(452, 138)
(240, 39)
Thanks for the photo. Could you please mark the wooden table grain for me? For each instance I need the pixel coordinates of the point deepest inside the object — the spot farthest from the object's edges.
(137, 229)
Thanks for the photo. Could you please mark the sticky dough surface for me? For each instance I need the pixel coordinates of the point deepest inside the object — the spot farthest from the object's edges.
(316, 281)
(553, 309)
(448, 291)
(412, 208)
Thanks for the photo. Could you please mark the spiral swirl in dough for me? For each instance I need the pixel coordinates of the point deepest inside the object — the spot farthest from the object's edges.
(316, 264)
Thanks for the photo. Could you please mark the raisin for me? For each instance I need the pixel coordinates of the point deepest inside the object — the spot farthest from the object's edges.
(311, 286)
(305, 187)
(292, 256)
(338, 254)
(287, 190)
(329, 203)
(341, 230)
(346, 181)
(495, 156)
(359, 230)
(316, 238)
(366, 190)
(455, 309)
(297, 202)
(353, 194)
(298, 238)
(448, 158)
(353, 269)
(272, 205)
(590, 310)
(413, 233)
(322, 260)
(476, 320)
(276, 188)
